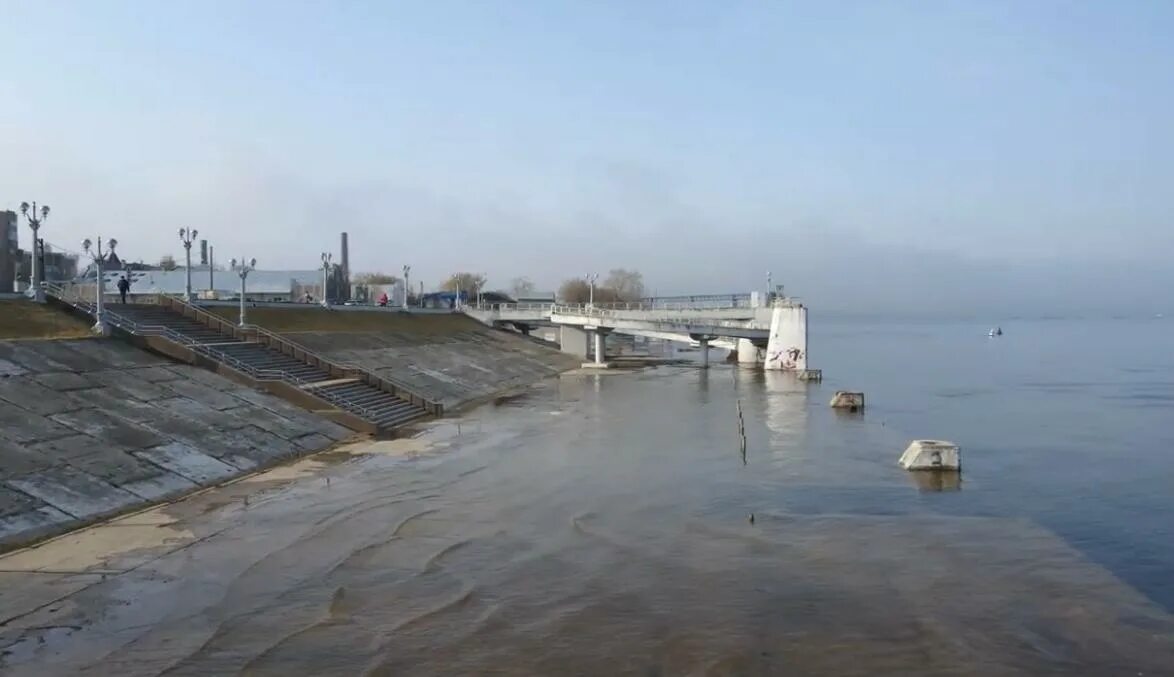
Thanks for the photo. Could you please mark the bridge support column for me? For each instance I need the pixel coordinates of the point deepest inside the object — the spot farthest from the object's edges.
(748, 353)
(786, 349)
(704, 352)
(573, 340)
(600, 356)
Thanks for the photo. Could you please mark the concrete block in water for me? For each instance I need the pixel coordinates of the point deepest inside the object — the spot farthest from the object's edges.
(932, 455)
(847, 400)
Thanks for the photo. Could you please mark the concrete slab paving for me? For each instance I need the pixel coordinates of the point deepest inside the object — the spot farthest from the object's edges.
(188, 462)
(209, 397)
(91, 426)
(74, 492)
(19, 353)
(113, 353)
(133, 382)
(9, 368)
(63, 381)
(312, 442)
(110, 428)
(286, 428)
(62, 352)
(159, 487)
(20, 425)
(113, 398)
(17, 459)
(115, 465)
(32, 396)
(64, 449)
(22, 516)
(157, 374)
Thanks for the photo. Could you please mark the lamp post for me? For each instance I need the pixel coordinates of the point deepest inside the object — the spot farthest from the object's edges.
(187, 236)
(326, 259)
(407, 284)
(35, 217)
(243, 269)
(97, 255)
(591, 291)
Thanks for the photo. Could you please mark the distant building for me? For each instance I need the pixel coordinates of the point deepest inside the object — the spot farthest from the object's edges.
(56, 266)
(9, 251)
(262, 285)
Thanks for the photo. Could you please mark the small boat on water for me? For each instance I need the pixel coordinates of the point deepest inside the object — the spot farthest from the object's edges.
(997, 331)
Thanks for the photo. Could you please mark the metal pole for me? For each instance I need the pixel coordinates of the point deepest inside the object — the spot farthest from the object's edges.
(98, 288)
(187, 236)
(244, 274)
(211, 267)
(187, 248)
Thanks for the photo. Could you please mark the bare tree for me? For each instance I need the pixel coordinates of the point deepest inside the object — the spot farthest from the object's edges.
(625, 285)
(468, 283)
(521, 287)
(574, 290)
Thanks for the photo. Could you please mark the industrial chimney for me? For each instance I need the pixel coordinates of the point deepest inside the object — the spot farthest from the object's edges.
(203, 252)
(345, 270)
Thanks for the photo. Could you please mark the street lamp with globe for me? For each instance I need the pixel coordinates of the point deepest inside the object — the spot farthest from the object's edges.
(97, 256)
(35, 218)
(243, 268)
(187, 237)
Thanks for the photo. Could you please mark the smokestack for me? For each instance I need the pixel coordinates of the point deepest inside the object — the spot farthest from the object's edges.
(203, 252)
(344, 262)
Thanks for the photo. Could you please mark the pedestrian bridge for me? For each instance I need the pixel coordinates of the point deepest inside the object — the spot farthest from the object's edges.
(772, 332)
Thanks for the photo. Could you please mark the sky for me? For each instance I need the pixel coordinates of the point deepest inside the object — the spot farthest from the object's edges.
(982, 157)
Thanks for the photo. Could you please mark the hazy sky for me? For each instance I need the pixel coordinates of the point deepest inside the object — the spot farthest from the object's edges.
(1003, 155)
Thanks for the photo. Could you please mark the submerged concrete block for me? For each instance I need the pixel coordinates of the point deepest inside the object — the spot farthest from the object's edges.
(848, 400)
(932, 455)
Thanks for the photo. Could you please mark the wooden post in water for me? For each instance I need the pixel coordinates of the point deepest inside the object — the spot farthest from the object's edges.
(741, 432)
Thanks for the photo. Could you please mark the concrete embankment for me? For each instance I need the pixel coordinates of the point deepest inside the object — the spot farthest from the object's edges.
(94, 427)
(450, 358)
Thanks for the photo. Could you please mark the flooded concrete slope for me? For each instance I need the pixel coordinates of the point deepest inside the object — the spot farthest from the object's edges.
(92, 427)
(447, 357)
(597, 527)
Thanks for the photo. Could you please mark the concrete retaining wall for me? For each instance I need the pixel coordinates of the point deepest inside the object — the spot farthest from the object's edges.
(454, 369)
(93, 427)
(449, 358)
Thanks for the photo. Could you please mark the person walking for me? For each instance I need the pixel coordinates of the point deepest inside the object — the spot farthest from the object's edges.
(123, 288)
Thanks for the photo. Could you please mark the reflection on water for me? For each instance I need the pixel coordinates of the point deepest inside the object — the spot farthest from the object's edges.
(598, 526)
(937, 480)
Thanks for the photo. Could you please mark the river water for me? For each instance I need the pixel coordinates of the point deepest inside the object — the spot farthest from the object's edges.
(601, 525)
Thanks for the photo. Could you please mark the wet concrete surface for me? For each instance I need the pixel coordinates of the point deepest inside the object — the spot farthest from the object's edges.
(597, 526)
(94, 427)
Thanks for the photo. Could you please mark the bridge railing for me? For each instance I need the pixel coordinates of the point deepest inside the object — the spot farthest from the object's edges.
(715, 302)
(620, 314)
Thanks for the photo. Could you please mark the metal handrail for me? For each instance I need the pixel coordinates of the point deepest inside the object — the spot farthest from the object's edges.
(257, 374)
(393, 387)
(718, 303)
(681, 320)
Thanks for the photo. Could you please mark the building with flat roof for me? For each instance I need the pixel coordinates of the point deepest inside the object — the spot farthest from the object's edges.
(9, 251)
(262, 285)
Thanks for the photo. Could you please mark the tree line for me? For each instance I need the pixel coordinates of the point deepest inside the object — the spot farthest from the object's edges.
(621, 285)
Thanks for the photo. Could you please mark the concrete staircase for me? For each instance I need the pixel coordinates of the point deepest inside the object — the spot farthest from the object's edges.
(383, 410)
